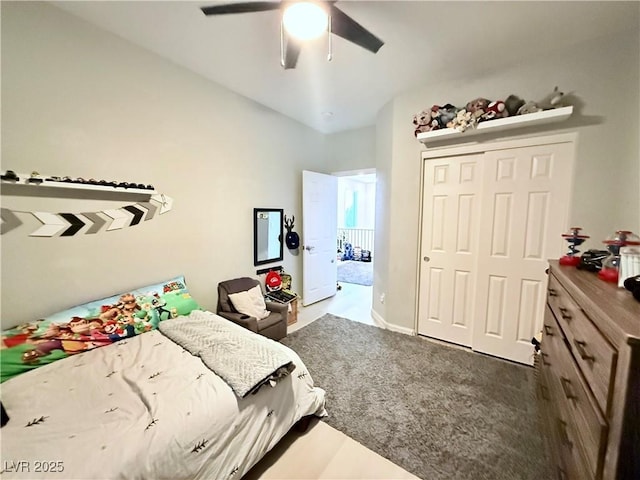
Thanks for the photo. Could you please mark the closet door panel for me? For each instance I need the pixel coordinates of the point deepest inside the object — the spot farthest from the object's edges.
(449, 248)
(526, 200)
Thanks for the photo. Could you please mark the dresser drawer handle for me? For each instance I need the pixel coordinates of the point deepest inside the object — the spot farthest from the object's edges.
(562, 475)
(566, 388)
(544, 392)
(564, 436)
(564, 313)
(582, 351)
(552, 292)
(544, 362)
(548, 330)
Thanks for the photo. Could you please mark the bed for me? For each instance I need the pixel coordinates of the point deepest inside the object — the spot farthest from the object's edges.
(145, 407)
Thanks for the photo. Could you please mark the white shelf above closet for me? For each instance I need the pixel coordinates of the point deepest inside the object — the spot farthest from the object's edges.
(499, 125)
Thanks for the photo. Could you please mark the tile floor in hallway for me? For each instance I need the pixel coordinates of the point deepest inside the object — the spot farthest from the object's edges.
(352, 301)
(322, 452)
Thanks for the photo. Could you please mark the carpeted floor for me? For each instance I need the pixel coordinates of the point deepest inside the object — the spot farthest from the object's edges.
(437, 411)
(352, 271)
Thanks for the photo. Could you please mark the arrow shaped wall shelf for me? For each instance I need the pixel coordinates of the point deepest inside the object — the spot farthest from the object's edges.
(66, 224)
(51, 224)
(70, 224)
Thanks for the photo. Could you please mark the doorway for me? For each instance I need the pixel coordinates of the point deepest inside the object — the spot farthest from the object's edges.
(355, 249)
(355, 202)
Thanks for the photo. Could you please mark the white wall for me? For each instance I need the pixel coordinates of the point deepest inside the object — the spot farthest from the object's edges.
(81, 102)
(384, 164)
(351, 150)
(605, 76)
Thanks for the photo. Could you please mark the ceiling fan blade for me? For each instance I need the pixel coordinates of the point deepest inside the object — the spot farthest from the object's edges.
(291, 54)
(243, 7)
(346, 27)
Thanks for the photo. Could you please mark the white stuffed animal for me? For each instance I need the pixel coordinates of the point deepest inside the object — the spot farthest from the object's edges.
(422, 122)
(553, 100)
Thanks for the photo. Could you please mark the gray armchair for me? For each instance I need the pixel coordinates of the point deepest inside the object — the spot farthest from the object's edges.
(274, 326)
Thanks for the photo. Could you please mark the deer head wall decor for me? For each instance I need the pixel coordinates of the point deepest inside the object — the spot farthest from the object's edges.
(291, 239)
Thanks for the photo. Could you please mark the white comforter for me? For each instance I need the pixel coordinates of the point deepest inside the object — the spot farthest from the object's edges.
(144, 408)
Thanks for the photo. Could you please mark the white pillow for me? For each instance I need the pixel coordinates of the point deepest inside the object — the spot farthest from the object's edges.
(250, 302)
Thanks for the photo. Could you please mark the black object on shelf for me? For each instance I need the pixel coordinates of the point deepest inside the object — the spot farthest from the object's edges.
(269, 269)
(10, 176)
(281, 296)
(591, 260)
(633, 285)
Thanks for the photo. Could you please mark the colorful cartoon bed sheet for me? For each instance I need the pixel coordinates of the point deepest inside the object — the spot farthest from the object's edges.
(145, 408)
(92, 325)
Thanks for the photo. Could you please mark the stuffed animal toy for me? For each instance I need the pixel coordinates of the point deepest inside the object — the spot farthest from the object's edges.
(553, 100)
(443, 115)
(463, 121)
(513, 103)
(495, 109)
(477, 107)
(528, 107)
(422, 122)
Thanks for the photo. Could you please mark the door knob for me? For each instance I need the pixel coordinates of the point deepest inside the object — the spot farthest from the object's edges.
(308, 248)
(426, 259)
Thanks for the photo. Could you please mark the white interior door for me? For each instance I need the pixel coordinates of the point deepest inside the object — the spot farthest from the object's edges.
(319, 236)
(526, 194)
(449, 247)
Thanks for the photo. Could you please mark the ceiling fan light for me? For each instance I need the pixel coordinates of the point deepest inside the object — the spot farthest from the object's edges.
(305, 20)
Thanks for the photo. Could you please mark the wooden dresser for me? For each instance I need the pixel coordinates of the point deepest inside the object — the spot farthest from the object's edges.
(589, 377)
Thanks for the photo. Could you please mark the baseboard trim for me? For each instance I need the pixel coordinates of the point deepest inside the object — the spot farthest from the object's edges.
(379, 321)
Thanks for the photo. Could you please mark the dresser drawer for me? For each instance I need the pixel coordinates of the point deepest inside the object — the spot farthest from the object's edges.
(595, 356)
(574, 397)
(575, 468)
(547, 407)
(571, 464)
(568, 442)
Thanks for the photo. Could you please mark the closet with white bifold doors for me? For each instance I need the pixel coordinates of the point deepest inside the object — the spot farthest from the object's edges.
(492, 215)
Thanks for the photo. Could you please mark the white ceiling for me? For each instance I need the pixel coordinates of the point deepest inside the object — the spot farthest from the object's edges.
(425, 42)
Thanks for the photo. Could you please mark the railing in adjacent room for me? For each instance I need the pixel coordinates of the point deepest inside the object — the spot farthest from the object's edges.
(357, 237)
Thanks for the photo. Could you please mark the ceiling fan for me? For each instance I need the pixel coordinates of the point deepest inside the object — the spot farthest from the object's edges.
(338, 23)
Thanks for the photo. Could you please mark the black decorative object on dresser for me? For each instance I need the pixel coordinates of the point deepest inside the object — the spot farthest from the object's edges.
(589, 381)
